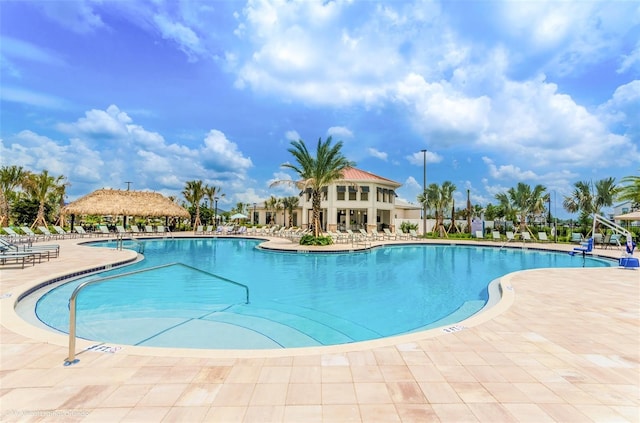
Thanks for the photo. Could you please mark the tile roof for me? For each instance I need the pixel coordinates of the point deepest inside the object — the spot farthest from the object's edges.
(353, 174)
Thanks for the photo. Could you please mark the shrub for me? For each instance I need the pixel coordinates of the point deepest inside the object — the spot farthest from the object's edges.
(407, 226)
(312, 240)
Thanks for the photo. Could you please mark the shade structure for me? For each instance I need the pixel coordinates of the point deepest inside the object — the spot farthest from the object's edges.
(125, 203)
(628, 216)
(239, 216)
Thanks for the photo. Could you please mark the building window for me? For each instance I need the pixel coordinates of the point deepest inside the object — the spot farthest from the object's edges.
(341, 190)
(353, 192)
(379, 195)
(364, 193)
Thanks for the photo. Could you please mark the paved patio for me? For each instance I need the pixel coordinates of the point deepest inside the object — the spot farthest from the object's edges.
(562, 345)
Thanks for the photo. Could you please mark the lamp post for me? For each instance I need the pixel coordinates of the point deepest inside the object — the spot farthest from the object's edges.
(549, 209)
(424, 192)
(215, 199)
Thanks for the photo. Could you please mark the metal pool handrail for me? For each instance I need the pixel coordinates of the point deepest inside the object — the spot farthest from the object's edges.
(120, 242)
(74, 295)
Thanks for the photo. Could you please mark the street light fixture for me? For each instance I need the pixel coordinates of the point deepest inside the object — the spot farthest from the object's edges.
(216, 212)
(424, 191)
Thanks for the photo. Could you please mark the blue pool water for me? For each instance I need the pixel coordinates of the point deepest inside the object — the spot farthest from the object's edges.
(295, 299)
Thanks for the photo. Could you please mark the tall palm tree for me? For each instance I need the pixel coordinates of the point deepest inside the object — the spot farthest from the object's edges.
(194, 192)
(211, 192)
(588, 197)
(11, 177)
(522, 201)
(316, 172)
(43, 188)
(438, 198)
(629, 191)
(290, 203)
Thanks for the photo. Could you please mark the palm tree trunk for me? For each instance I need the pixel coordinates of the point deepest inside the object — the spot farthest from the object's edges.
(40, 220)
(316, 213)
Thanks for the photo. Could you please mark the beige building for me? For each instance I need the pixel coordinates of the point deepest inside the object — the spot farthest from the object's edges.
(361, 200)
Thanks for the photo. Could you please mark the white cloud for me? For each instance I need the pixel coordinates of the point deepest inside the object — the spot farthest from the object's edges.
(187, 40)
(110, 123)
(340, 132)
(224, 154)
(78, 16)
(292, 135)
(377, 154)
(23, 50)
(108, 148)
(412, 184)
(31, 98)
(418, 158)
(631, 60)
(440, 110)
(508, 172)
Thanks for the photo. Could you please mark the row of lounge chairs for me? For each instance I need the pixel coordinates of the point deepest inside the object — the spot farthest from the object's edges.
(605, 241)
(24, 254)
(363, 236)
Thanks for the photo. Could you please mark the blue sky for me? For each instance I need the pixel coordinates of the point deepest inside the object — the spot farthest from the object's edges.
(161, 92)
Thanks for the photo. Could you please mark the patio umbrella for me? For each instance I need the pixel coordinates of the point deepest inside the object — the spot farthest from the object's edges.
(628, 216)
(239, 216)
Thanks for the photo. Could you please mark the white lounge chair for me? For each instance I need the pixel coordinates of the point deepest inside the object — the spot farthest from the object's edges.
(400, 234)
(14, 236)
(495, 235)
(103, 230)
(47, 233)
(525, 236)
(80, 231)
(542, 237)
(64, 233)
(34, 236)
(479, 235)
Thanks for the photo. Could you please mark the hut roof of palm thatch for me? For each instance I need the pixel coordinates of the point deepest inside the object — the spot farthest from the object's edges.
(125, 203)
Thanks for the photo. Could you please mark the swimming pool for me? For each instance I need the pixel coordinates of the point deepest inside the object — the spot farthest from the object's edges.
(294, 299)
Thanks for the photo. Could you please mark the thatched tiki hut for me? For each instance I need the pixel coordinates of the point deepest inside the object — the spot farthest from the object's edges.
(113, 202)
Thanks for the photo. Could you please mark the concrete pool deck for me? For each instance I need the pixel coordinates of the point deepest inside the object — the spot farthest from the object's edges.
(562, 345)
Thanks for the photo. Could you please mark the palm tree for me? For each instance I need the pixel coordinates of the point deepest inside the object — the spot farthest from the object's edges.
(61, 194)
(588, 198)
(630, 191)
(43, 188)
(522, 201)
(211, 192)
(316, 172)
(194, 192)
(438, 198)
(290, 203)
(11, 177)
(272, 204)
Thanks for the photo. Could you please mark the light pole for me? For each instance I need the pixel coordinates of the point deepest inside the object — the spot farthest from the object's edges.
(216, 212)
(424, 192)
